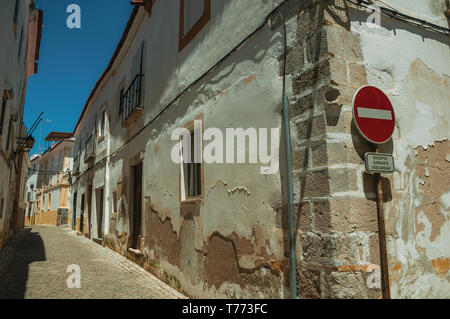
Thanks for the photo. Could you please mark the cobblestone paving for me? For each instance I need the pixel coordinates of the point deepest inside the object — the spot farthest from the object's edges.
(38, 270)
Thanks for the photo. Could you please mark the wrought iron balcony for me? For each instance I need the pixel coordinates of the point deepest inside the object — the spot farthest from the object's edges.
(131, 102)
(89, 149)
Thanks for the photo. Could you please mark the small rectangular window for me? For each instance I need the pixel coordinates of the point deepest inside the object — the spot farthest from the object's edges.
(49, 201)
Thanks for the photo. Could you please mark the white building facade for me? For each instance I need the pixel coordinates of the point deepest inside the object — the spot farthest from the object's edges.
(220, 228)
(20, 29)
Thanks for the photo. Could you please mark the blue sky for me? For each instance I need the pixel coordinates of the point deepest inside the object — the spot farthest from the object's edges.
(71, 60)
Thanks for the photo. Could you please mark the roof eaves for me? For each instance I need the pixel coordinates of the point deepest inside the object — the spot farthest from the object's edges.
(113, 59)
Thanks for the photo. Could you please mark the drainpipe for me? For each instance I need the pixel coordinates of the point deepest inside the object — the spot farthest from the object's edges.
(289, 179)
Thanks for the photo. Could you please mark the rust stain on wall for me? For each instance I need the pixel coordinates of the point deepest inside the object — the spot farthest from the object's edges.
(249, 79)
(433, 169)
(441, 266)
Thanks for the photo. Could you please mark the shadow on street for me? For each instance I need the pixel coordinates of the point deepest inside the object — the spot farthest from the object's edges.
(13, 280)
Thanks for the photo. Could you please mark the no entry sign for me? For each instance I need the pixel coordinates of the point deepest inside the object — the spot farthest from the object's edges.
(373, 114)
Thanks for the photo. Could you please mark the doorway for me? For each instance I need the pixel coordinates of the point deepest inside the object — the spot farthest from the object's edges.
(89, 212)
(136, 206)
(74, 213)
(82, 215)
(100, 212)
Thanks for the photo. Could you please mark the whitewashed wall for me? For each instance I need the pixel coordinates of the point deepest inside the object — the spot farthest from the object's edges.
(12, 76)
(413, 67)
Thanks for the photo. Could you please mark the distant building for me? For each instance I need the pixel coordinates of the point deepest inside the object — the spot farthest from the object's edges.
(30, 207)
(48, 184)
(20, 34)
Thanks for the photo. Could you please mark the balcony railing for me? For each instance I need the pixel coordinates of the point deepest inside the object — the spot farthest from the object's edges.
(89, 149)
(131, 102)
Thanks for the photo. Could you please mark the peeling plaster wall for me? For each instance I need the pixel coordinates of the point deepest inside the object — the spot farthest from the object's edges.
(238, 213)
(413, 68)
(234, 244)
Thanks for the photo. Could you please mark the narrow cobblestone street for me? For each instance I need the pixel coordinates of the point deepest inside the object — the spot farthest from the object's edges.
(38, 264)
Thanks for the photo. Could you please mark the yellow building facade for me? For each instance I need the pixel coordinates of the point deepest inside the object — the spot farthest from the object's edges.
(49, 198)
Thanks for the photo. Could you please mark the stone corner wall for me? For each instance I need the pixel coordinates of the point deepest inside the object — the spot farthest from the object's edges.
(337, 226)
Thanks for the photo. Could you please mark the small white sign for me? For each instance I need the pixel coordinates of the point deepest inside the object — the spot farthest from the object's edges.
(379, 163)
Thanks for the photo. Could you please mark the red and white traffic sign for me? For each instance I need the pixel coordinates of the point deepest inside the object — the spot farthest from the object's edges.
(373, 114)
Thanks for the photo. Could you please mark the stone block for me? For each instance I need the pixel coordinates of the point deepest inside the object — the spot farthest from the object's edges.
(302, 105)
(319, 153)
(330, 249)
(312, 77)
(345, 285)
(316, 184)
(317, 46)
(295, 60)
(300, 159)
(357, 75)
(344, 152)
(339, 122)
(338, 71)
(303, 218)
(343, 180)
(345, 215)
(314, 128)
(308, 283)
(344, 44)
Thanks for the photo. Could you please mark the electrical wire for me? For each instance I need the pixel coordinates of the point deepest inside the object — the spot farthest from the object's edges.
(361, 3)
(263, 22)
(392, 13)
(386, 4)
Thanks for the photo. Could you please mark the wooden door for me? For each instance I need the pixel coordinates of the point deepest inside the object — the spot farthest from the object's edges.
(100, 213)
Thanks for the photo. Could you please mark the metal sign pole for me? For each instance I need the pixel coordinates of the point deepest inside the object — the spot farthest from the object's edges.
(385, 282)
